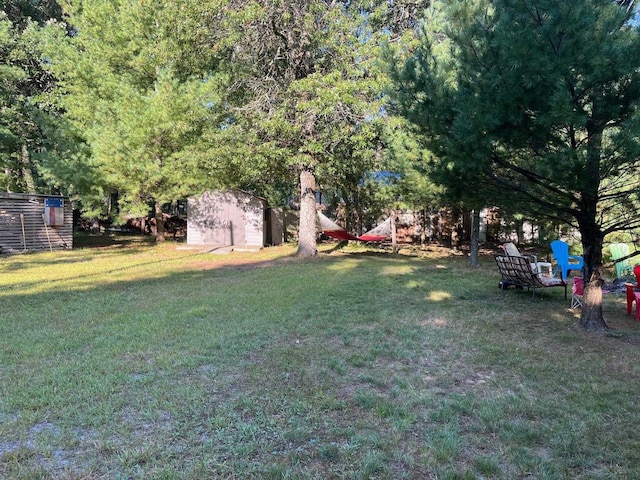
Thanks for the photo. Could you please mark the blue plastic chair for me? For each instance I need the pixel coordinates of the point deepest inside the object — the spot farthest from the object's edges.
(560, 251)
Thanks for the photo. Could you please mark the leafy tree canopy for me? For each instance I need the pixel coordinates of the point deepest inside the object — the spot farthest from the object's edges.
(142, 81)
(28, 141)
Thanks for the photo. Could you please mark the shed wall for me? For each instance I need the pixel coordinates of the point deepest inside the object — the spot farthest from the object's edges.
(226, 218)
(22, 225)
(253, 209)
(274, 222)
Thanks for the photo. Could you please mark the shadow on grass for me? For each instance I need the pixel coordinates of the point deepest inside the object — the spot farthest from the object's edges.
(84, 240)
(290, 362)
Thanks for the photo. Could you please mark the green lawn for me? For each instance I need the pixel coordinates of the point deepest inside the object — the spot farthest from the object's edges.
(134, 361)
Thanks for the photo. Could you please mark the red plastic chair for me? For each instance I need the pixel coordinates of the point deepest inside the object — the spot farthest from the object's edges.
(633, 293)
(577, 292)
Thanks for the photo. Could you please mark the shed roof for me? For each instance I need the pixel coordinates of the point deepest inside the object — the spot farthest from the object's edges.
(26, 196)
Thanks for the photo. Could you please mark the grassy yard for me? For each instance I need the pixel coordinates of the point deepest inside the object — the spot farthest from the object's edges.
(134, 361)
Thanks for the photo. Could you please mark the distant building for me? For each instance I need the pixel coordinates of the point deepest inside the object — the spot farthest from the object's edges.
(31, 222)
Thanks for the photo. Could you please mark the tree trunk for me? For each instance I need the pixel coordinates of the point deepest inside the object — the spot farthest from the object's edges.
(519, 225)
(455, 227)
(307, 245)
(95, 225)
(592, 318)
(394, 232)
(357, 210)
(422, 219)
(27, 174)
(159, 222)
(348, 210)
(475, 238)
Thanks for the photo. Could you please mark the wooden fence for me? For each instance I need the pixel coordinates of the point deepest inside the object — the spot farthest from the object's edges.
(35, 222)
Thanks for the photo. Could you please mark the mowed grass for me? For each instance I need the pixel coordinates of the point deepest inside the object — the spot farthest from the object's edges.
(141, 362)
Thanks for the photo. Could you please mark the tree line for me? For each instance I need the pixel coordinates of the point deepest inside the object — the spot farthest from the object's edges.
(530, 105)
(159, 100)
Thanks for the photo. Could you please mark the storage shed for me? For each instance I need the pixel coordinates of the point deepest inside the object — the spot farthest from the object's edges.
(35, 222)
(232, 218)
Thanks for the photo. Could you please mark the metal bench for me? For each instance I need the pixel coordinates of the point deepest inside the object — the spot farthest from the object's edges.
(517, 271)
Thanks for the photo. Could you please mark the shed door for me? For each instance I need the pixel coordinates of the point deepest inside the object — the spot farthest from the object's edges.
(238, 227)
(226, 227)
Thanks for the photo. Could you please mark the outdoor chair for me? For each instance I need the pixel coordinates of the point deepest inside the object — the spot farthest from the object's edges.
(577, 291)
(560, 251)
(516, 271)
(633, 293)
(620, 250)
(541, 268)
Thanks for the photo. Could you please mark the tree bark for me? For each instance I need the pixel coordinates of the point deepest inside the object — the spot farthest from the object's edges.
(348, 210)
(394, 232)
(357, 211)
(159, 222)
(27, 174)
(519, 225)
(475, 238)
(456, 212)
(95, 225)
(592, 318)
(307, 244)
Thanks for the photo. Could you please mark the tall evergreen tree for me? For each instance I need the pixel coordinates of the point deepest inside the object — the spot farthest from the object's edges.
(538, 98)
(142, 81)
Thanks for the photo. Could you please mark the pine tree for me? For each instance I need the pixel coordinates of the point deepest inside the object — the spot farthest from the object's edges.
(309, 85)
(538, 100)
(141, 81)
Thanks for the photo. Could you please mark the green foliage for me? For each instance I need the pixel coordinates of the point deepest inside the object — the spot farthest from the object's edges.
(9, 77)
(317, 99)
(544, 111)
(161, 101)
(26, 139)
(141, 82)
(176, 98)
(308, 87)
(534, 105)
(413, 165)
(537, 102)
